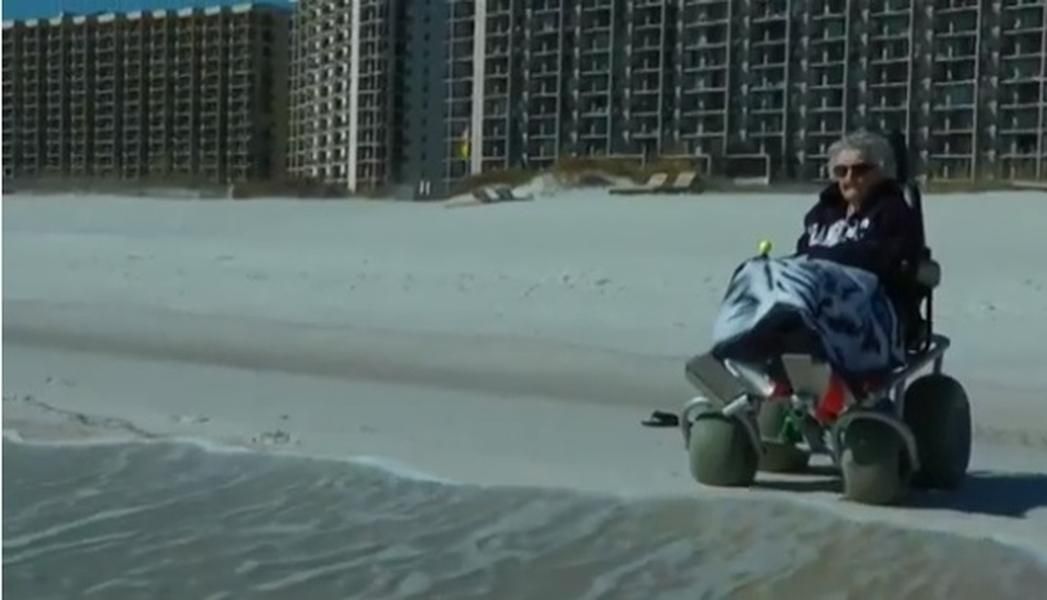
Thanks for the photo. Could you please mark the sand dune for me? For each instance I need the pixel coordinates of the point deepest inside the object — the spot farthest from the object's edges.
(514, 345)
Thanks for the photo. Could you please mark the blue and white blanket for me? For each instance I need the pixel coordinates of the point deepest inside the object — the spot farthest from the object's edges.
(845, 308)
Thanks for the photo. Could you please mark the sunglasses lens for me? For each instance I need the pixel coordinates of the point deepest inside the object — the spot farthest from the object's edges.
(857, 170)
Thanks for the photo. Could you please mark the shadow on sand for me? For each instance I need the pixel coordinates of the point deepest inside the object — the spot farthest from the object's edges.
(990, 493)
(984, 492)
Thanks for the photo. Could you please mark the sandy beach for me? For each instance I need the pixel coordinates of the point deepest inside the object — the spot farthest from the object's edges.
(459, 394)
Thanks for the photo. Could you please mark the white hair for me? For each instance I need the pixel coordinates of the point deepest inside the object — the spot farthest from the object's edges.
(873, 147)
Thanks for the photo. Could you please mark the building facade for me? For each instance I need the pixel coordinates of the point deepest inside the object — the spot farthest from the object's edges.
(749, 87)
(421, 94)
(341, 99)
(371, 93)
(199, 93)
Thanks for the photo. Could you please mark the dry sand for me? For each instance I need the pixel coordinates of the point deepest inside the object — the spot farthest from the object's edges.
(514, 345)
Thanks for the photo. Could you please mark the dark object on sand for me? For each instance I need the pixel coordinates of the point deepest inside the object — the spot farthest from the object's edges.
(661, 183)
(491, 194)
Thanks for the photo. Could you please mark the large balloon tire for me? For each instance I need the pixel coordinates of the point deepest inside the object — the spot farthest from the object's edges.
(939, 414)
(721, 452)
(874, 463)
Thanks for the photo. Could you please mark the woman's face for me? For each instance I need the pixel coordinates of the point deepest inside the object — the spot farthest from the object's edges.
(854, 175)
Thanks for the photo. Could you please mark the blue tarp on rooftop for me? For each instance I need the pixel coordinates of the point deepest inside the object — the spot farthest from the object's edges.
(17, 10)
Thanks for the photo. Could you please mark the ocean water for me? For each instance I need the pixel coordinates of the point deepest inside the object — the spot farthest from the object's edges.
(176, 520)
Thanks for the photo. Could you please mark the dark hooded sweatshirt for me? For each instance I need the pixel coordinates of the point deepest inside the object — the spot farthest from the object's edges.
(882, 237)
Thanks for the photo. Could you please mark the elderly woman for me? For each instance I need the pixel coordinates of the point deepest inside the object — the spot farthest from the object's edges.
(862, 219)
(840, 296)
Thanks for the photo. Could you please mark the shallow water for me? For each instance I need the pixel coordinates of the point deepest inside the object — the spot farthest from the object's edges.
(169, 520)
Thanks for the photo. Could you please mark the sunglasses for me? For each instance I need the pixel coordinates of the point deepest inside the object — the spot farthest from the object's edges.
(856, 170)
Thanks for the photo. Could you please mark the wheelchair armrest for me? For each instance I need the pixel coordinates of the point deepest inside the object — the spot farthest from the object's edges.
(928, 273)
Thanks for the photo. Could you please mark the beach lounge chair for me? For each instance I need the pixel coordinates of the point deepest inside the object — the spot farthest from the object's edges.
(684, 181)
(653, 184)
(492, 194)
(485, 195)
(680, 184)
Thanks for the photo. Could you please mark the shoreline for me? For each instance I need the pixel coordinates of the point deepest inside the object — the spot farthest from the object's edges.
(759, 498)
(243, 523)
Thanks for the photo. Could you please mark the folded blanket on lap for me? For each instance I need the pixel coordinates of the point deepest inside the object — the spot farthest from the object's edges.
(844, 309)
